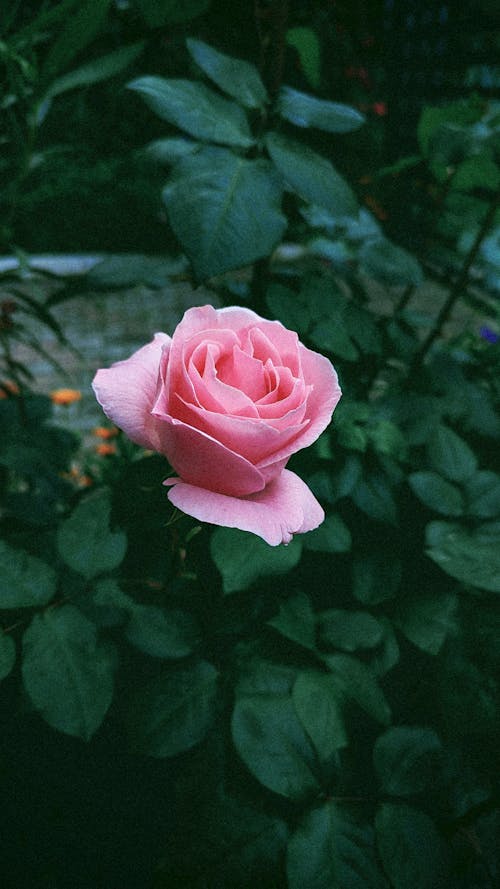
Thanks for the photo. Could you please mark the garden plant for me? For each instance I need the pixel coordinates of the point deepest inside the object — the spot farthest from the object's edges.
(289, 593)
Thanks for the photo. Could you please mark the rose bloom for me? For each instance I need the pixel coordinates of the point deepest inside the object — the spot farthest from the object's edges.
(228, 399)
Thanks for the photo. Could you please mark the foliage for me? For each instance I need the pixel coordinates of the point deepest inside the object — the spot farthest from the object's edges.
(331, 707)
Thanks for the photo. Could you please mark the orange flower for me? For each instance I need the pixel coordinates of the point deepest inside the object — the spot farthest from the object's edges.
(105, 432)
(376, 208)
(105, 449)
(8, 387)
(65, 396)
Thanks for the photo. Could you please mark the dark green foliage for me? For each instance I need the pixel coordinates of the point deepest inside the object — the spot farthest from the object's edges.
(329, 708)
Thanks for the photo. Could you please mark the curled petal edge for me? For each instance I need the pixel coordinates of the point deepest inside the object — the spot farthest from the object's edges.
(285, 507)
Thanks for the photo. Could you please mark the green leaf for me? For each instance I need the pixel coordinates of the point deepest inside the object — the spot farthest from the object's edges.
(410, 847)
(169, 151)
(317, 703)
(387, 654)
(85, 541)
(305, 110)
(450, 455)
(331, 335)
(161, 633)
(473, 557)
(392, 265)
(312, 176)
(373, 495)
(288, 307)
(225, 210)
(273, 745)
(387, 439)
(67, 675)
(479, 171)
(98, 69)
(238, 78)
(25, 580)
(349, 630)
(80, 29)
(482, 492)
(260, 676)
(358, 682)
(243, 558)
(453, 115)
(333, 536)
(7, 654)
(406, 759)
(428, 620)
(437, 493)
(375, 577)
(296, 621)
(195, 108)
(174, 711)
(306, 42)
(157, 13)
(329, 850)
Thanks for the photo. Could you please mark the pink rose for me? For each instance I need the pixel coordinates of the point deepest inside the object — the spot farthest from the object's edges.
(227, 400)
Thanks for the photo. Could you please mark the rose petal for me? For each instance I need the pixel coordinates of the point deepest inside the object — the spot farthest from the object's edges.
(201, 460)
(126, 392)
(255, 439)
(284, 508)
(324, 394)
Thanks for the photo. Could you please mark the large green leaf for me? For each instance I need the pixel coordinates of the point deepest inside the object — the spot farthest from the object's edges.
(410, 847)
(405, 759)
(273, 745)
(383, 260)
(296, 621)
(162, 12)
(373, 495)
(169, 151)
(317, 703)
(307, 44)
(25, 580)
(225, 210)
(437, 493)
(312, 176)
(473, 557)
(357, 682)
(349, 630)
(305, 110)
(98, 69)
(478, 171)
(7, 654)
(238, 78)
(243, 558)
(332, 536)
(451, 455)
(482, 492)
(329, 850)
(174, 711)
(66, 673)
(376, 577)
(80, 29)
(427, 620)
(160, 632)
(195, 108)
(85, 540)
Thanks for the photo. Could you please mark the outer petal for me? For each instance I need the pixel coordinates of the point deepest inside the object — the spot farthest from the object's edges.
(284, 508)
(203, 461)
(126, 392)
(322, 399)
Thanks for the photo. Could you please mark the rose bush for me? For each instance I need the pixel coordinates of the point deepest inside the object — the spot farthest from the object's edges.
(228, 399)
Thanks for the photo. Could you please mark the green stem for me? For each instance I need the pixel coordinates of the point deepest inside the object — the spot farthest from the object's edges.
(458, 287)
